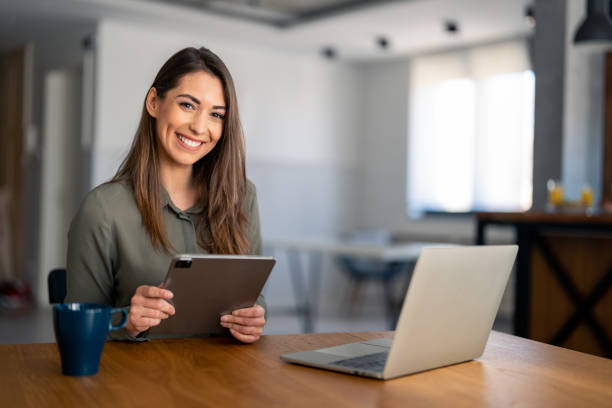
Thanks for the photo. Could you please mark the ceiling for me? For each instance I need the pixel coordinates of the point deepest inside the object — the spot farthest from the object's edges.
(277, 13)
(352, 27)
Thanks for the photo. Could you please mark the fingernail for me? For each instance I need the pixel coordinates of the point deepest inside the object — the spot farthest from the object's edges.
(225, 318)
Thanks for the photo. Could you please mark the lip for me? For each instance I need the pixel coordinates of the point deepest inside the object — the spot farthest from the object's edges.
(185, 146)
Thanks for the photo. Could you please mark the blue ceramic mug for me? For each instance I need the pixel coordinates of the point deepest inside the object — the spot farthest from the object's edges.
(80, 332)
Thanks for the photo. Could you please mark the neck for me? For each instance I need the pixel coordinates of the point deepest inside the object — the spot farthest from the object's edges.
(177, 180)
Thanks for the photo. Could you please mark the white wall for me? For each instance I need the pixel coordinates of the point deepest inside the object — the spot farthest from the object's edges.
(300, 114)
(385, 112)
(326, 141)
(60, 164)
(383, 186)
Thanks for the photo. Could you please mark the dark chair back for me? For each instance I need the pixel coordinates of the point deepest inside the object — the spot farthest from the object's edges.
(57, 285)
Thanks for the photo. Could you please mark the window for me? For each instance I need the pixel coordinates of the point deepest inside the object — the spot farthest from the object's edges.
(471, 130)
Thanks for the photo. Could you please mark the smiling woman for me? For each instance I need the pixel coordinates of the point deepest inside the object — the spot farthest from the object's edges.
(189, 120)
(181, 189)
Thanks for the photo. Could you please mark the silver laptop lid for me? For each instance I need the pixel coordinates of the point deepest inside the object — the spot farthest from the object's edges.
(450, 306)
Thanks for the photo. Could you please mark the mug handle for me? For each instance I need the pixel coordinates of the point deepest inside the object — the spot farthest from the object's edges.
(123, 321)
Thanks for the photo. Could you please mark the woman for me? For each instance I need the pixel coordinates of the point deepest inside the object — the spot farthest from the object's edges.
(181, 189)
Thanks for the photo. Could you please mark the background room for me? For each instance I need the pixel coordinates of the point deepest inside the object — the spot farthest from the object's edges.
(377, 122)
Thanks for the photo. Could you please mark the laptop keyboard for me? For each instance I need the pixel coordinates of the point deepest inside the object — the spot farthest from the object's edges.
(370, 362)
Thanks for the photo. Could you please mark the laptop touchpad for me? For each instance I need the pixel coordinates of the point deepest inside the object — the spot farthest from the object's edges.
(380, 342)
(352, 350)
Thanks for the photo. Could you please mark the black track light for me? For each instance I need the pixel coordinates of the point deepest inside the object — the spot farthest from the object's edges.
(382, 42)
(329, 52)
(451, 27)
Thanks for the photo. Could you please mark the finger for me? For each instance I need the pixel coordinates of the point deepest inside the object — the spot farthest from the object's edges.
(245, 338)
(244, 321)
(138, 312)
(140, 303)
(131, 328)
(255, 311)
(154, 292)
(153, 313)
(157, 304)
(144, 323)
(243, 329)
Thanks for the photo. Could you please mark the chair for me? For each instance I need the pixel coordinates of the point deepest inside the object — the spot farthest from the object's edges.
(57, 285)
(360, 270)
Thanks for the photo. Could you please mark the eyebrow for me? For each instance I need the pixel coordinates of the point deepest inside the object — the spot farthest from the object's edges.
(193, 98)
(196, 100)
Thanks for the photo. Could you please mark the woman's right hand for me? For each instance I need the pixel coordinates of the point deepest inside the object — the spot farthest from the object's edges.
(147, 308)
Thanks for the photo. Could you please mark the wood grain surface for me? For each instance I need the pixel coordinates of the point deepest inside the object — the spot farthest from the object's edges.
(606, 171)
(558, 217)
(219, 372)
(586, 260)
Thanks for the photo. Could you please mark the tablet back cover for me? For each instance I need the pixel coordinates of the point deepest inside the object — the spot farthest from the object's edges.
(205, 287)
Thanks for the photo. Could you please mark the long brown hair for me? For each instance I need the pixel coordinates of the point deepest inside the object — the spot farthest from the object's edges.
(222, 228)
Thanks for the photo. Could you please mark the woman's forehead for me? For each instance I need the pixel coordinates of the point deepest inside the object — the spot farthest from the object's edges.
(203, 86)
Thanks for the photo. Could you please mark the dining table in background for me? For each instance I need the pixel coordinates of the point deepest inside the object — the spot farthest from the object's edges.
(305, 259)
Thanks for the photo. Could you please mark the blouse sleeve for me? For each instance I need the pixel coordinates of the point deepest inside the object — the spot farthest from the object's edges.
(91, 259)
(254, 230)
(89, 263)
(254, 233)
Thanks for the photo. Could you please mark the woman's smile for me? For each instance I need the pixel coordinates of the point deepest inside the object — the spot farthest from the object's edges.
(188, 143)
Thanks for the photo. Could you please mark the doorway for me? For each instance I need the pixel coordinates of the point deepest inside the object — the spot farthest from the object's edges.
(15, 66)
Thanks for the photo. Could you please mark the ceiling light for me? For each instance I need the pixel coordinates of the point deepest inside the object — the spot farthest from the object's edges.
(329, 52)
(596, 27)
(382, 42)
(451, 27)
(530, 16)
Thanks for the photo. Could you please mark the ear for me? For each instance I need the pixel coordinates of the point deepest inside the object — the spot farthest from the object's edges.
(152, 102)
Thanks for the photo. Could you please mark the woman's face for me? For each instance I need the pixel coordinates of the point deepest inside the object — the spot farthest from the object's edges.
(189, 119)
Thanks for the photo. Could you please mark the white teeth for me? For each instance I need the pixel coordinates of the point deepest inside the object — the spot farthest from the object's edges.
(189, 142)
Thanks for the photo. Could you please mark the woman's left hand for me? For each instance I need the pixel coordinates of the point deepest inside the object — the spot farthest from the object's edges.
(245, 324)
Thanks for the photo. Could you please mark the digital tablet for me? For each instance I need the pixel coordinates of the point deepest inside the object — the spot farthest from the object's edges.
(205, 287)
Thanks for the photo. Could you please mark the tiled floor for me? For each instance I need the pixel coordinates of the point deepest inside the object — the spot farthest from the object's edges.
(35, 325)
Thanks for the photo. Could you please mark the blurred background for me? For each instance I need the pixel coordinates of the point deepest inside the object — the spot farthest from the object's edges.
(368, 124)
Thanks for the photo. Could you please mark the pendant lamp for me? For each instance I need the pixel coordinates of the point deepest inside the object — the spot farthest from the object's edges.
(596, 27)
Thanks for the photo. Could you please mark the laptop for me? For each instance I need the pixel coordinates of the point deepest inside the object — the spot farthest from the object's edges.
(446, 318)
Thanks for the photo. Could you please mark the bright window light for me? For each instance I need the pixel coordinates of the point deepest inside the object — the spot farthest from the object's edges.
(471, 134)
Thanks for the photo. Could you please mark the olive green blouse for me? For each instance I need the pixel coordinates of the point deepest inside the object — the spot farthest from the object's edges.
(110, 253)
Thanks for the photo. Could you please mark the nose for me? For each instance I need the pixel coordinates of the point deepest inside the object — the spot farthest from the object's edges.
(198, 124)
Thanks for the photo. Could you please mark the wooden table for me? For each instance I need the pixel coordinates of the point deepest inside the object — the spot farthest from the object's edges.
(218, 372)
(564, 276)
